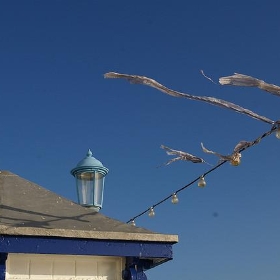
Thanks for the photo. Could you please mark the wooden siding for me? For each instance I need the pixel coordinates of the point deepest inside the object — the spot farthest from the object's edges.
(45, 267)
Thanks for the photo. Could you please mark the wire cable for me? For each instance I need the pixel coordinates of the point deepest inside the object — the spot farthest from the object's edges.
(275, 126)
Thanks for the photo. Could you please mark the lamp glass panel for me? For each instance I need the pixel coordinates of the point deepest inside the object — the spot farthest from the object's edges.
(98, 189)
(85, 188)
(90, 187)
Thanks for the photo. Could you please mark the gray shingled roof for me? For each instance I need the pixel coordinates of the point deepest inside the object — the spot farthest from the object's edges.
(28, 209)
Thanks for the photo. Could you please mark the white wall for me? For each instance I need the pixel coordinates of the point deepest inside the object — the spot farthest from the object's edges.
(32, 266)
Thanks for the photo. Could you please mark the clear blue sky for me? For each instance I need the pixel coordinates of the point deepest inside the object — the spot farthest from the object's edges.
(55, 104)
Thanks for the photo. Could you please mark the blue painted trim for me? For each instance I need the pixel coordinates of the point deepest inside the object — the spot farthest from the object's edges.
(3, 257)
(80, 246)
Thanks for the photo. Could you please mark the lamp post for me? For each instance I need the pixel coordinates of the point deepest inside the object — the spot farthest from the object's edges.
(90, 174)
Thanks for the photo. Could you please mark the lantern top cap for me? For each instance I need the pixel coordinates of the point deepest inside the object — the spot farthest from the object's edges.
(90, 164)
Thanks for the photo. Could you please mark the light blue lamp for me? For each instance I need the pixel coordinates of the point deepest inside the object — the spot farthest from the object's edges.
(90, 175)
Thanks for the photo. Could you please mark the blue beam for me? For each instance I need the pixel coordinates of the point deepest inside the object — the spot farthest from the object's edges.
(81, 246)
(134, 274)
(134, 269)
(3, 257)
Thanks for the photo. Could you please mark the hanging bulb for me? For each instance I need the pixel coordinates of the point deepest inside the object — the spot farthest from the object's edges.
(174, 198)
(151, 212)
(201, 182)
(277, 133)
(133, 223)
(235, 161)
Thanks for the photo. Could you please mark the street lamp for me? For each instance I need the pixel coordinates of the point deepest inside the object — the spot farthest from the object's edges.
(90, 174)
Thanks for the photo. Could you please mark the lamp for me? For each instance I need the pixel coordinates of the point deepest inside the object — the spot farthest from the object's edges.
(90, 175)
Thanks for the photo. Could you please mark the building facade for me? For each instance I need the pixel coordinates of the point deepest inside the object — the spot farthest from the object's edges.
(45, 236)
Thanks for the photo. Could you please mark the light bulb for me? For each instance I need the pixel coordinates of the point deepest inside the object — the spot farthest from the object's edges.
(133, 223)
(235, 161)
(151, 212)
(277, 133)
(174, 198)
(201, 182)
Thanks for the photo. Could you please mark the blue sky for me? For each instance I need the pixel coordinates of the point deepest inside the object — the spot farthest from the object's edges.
(55, 104)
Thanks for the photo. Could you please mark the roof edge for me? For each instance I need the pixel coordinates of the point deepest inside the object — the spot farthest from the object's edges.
(67, 233)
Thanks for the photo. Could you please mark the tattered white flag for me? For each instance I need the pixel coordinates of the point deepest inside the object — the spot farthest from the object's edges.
(135, 79)
(233, 158)
(181, 156)
(248, 81)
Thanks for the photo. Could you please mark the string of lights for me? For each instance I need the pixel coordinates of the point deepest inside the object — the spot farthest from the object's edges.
(201, 179)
